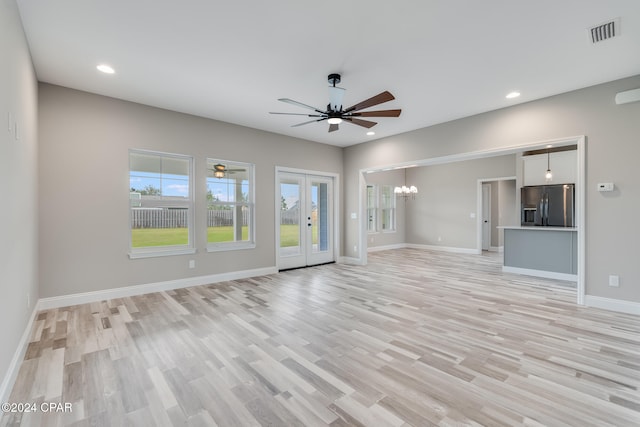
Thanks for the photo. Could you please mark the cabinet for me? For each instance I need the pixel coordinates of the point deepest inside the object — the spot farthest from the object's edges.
(563, 167)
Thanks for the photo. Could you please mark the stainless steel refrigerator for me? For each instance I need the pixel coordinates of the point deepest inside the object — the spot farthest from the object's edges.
(548, 205)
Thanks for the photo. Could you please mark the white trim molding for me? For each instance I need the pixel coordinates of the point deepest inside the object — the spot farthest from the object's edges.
(499, 249)
(386, 247)
(541, 273)
(14, 367)
(471, 251)
(618, 305)
(350, 260)
(128, 291)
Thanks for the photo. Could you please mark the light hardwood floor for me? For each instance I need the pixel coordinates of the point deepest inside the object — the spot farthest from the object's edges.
(414, 338)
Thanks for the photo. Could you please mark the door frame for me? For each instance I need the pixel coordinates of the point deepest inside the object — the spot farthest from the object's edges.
(486, 204)
(335, 201)
(481, 182)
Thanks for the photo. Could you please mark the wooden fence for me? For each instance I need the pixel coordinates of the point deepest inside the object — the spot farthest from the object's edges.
(179, 218)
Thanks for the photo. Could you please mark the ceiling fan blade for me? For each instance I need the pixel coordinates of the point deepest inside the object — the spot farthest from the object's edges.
(310, 121)
(374, 100)
(379, 113)
(364, 123)
(297, 114)
(300, 104)
(333, 128)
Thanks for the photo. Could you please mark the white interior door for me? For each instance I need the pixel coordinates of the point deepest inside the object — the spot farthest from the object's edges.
(486, 217)
(305, 220)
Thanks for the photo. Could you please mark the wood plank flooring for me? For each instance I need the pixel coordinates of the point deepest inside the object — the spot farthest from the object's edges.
(416, 338)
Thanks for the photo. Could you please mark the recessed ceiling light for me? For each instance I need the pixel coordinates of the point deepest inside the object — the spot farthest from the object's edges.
(512, 95)
(370, 133)
(105, 69)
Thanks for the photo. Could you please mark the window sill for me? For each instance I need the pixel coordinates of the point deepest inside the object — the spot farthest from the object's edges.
(230, 246)
(388, 231)
(158, 253)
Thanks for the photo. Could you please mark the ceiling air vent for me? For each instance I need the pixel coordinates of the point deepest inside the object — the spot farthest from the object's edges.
(604, 31)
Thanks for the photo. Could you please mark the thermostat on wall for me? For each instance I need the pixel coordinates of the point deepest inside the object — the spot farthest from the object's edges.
(605, 186)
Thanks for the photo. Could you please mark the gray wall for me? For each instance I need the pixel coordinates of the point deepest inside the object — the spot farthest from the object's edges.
(612, 153)
(507, 213)
(84, 232)
(18, 174)
(447, 196)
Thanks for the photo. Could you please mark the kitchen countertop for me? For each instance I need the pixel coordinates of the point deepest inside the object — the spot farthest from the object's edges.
(536, 228)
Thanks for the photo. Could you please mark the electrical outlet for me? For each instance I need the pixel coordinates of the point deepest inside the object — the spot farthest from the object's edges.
(28, 301)
(355, 248)
(614, 281)
(192, 263)
(439, 238)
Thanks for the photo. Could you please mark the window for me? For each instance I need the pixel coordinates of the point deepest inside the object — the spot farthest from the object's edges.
(161, 203)
(388, 207)
(230, 205)
(372, 208)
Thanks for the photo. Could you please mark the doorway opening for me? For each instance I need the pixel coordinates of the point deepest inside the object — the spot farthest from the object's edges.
(498, 207)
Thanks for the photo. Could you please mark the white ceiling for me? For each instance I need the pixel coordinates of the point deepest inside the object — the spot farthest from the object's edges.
(232, 60)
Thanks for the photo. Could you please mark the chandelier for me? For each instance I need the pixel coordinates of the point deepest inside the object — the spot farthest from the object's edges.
(404, 191)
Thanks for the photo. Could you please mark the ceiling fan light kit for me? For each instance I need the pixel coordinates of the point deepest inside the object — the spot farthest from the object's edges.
(219, 170)
(335, 114)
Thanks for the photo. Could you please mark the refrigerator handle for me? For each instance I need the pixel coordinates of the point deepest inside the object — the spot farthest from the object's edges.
(546, 208)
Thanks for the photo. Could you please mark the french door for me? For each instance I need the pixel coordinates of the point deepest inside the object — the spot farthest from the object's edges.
(305, 220)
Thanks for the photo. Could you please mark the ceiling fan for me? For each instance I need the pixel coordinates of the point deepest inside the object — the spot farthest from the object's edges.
(335, 114)
(220, 170)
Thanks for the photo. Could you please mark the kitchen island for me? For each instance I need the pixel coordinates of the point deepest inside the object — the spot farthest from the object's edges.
(541, 251)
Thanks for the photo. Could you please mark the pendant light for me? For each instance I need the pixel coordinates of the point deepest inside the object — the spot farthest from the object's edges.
(548, 176)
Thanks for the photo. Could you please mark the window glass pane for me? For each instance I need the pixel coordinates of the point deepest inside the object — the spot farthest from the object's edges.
(160, 198)
(229, 202)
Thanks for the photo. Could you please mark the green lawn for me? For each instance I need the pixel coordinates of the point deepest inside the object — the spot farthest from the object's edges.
(145, 237)
(224, 234)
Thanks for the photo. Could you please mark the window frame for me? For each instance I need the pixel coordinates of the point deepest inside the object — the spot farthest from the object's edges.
(170, 250)
(374, 208)
(392, 207)
(242, 244)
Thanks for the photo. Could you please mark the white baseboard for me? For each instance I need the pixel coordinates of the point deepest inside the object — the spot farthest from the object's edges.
(499, 249)
(386, 247)
(444, 249)
(541, 273)
(621, 306)
(14, 367)
(127, 291)
(349, 260)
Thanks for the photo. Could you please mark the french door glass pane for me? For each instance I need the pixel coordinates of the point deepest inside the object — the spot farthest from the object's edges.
(320, 217)
(290, 217)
